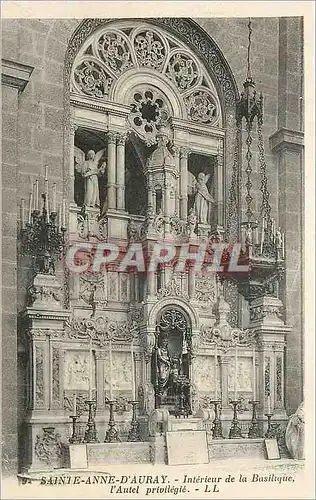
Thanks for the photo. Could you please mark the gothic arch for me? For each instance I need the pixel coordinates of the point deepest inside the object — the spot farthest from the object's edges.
(185, 30)
(177, 303)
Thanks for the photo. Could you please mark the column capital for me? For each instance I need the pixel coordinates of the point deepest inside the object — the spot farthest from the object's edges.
(100, 354)
(284, 139)
(111, 137)
(73, 128)
(120, 139)
(184, 152)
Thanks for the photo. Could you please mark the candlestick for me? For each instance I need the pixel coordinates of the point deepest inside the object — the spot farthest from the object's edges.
(91, 432)
(54, 198)
(215, 371)
(133, 372)
(235, 389)
(36, 201)
(217, 432)
(30, 208)
(46, 172)
(254, 374)
(75, 406)
(254, 430)
(74, 438)
(90, 370)
(112, 435)
(110, 355)
(235, 429)
(134, 433)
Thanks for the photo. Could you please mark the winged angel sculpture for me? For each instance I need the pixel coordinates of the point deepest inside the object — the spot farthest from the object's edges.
(90, 170)
(203, 200)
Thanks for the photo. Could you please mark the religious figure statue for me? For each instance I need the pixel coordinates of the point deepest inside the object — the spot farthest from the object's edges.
(91, 171)
(161, 367)
(278, 239)
(203, 199)
(295, 434)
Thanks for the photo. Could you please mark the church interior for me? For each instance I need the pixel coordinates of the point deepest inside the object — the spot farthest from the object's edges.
(128, 133)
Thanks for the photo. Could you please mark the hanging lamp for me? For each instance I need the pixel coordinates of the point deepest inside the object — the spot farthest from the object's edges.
(262, 242)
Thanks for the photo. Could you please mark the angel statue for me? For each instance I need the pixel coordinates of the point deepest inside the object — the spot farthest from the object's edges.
(203, 199)
(90, 170)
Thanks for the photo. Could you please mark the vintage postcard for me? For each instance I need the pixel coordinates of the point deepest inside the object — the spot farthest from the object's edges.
(158, 188)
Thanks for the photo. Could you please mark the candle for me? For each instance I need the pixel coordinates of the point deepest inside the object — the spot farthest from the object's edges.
(22, 213)
(46, 172)
(90, 370)
(110, 377)
(133, 373)
(47, 204)
(75, 406)
(36, 201)
(262, 236)
(215, 371)
(283, 238)
(30, 208)
(235, 392)
(59, 216)
(64, 213)
(254, 374)
(269, 405)
(54, 198)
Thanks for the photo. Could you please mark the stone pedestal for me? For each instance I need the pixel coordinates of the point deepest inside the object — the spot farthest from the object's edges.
(266, 320)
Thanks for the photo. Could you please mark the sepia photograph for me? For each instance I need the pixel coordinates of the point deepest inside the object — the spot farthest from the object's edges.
(155, 331)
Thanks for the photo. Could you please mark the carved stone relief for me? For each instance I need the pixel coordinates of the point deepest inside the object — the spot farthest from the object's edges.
(48, 446)
(149, 49)
(244, 374)
(114, 49)
(39, 392)
(76, 370)
(120, 376)
(55, 375)
(92, 79)
(205, 289)
(183, 71)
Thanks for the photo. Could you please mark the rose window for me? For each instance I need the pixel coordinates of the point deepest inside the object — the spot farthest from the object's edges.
(148, 110)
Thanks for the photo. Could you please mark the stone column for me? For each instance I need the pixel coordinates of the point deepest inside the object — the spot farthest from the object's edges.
(15, 77)
(183, 183)
(176, 154)
(111, 167)
(120, 171)
(219, 184)
(265, 319)
(151, 283)
(73, 128)
(287, 144)
(191, 281)
(224, 362)
(100, 356)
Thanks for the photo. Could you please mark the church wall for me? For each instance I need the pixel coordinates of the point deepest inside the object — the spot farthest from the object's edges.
(34, 136)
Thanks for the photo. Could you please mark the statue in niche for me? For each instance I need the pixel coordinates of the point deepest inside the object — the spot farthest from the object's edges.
(90, 170)
(160, 367)
(295, 434)
(203, 200)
